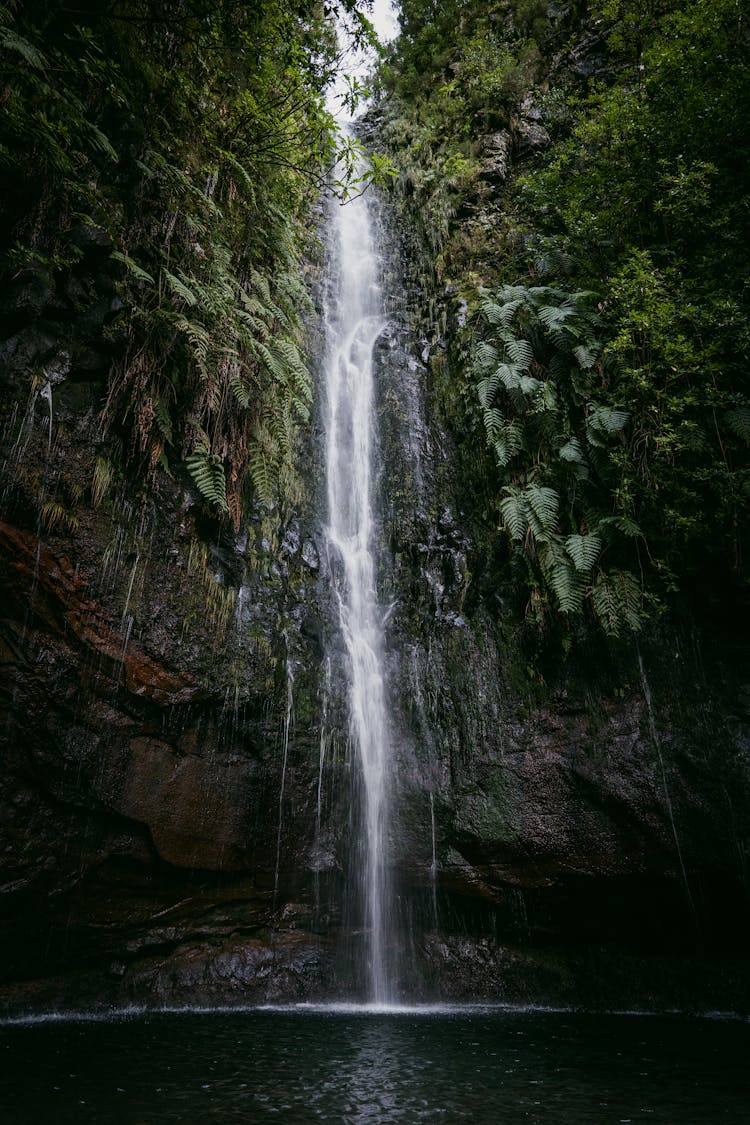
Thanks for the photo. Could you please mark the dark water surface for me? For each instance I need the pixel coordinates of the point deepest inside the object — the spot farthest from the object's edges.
(499, 1067)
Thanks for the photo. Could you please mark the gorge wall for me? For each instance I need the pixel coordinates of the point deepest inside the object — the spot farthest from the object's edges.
(572, 819)
(164, 678)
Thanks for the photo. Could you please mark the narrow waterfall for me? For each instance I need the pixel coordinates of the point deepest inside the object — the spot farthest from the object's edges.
(354, 320)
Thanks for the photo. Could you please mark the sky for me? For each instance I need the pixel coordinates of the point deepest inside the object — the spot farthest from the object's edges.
(384, 19)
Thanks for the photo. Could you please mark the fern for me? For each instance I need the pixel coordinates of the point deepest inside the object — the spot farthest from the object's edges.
(616, 600)
(602, 420)
(513, 511)
(262, 468)
(520, 352)
(133, 268)
(739, 422)
(624, 524)
(513, 298)
(162, 418)
(585, 355)
(180, 288)
(240, 172)
(207, 471)
(555, 317)
(566, 582)
(487, 389)
(584, 551)
(508, 442)
(486, 355)
(510, 376)
(239, 390)
(493, 422)
(9, 41)
(543, 504)
(572, 451)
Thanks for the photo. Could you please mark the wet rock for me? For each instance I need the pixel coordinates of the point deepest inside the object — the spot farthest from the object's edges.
(497, 151)
(530, 137)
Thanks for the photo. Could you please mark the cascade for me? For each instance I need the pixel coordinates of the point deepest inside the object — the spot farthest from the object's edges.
(354, 320)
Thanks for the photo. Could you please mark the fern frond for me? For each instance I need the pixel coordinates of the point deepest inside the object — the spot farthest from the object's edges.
(101, 142)
(510, 376)
(133, 267)
(585, 355)
(584, 551)
(163, 419)
(739, 422)
(9, 41)
(493, 422)
(180, 289)
(512, 298)
(566, 583)
(486, 355)
(554, 317)
(508, 442)
(513, 511)
(241, 172)
(520, 352)
(239, 390)
(572, 451)
(605, 420)
(616, 600)
(207, 471)
(487, 390)
(543, 502)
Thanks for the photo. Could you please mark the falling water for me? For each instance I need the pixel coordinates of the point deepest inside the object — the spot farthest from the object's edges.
(288, 724)
(434, 865)
(353, 323)
(656, 742)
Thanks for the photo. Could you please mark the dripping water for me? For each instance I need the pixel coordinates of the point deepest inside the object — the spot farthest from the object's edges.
(656, 742)
(434, 864)
(325, 737)
(288, 724)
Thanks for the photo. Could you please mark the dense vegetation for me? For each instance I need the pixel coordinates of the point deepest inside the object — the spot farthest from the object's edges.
(577, 174)
(580, 175)
(160, 159)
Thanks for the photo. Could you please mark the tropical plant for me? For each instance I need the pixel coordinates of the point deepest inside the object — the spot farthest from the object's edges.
(540, 368)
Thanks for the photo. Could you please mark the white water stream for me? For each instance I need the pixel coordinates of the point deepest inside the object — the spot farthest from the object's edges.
(353, 323)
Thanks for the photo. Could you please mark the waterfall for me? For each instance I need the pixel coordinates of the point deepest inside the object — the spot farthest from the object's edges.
(354, 320)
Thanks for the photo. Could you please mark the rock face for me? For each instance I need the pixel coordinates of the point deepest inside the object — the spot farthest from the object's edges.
(176, 772)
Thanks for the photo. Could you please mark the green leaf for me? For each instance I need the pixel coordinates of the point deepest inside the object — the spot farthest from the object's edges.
(584, 551)
(616, 600)
(739, 422)
(180, 289)
(544, 503)
(133, 267)
(9, 41)
(207, 471)
(513, 511)
(572, 451)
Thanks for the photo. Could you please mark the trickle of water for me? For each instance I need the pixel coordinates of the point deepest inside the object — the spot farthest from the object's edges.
(434, 864)
(656, 741)
(354, 320)
(288, 724)
(323, 745)
(46, 394)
